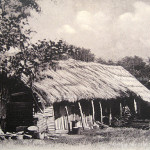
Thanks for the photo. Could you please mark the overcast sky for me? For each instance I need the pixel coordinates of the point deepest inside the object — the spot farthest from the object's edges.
(112, 29)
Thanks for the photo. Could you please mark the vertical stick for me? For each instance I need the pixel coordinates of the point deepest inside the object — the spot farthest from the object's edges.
(68, 118)
(110, 117)
(66, 126)
(120, 110)
(81, 114)
(74, 117)
(135, 106)
(56, 124)
(62, 119)
(101, 112)
(93, 111)
(59, 123)
(64, 122)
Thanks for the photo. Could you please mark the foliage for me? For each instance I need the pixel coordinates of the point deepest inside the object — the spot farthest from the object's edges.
(13, 15)
(13, 19)
(14, 33)
(102, 61)
(82, 54)
(40, 56)
(135, 65)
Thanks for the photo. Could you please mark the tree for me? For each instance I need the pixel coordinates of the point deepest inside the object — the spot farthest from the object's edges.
(108, 62)
(13, 17)
(82, 54)
(133, 64)
(137, 67)
(101, 61)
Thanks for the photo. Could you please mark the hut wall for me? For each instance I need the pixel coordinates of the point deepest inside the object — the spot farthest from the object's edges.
(63, 121)
(111, 106)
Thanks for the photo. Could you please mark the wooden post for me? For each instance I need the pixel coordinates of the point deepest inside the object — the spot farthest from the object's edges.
(135, 107)
(101, 112)
(120, 110)
(81, 114)
(74, 117)
(93, 111)
(68, 118)
(62, 120)
(110, 117)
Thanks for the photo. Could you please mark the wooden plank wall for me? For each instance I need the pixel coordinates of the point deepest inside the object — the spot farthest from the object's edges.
(62, 122)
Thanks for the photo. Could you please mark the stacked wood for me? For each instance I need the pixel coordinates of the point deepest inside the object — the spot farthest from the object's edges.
(49, 115)
(41, 123)
(46, 121)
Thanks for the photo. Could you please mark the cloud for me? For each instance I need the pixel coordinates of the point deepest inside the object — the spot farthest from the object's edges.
(92, 22)
(134, 30)
(67, 29)
(84, 17)
(111, 29)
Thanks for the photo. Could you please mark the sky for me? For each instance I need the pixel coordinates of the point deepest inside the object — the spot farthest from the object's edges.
(112, 29)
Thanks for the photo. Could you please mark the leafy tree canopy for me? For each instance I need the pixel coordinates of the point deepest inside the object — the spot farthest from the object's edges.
(13, 17)
(135, 65)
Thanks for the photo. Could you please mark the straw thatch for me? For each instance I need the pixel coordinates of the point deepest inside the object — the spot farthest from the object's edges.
(74, 80)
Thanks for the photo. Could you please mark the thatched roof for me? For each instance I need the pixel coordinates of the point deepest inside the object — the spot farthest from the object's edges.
(74, 80)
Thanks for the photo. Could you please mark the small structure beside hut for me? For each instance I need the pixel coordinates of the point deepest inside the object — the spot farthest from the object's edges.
(16, 103)
(79, 94)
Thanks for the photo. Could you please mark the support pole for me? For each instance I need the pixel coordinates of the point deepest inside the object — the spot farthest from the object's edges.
(93, 111)
(135, 107)
(80, 108)
(74, 117)
(120, 110)
(62, 120)
(101, 112)
(68, 118)
(110, 117)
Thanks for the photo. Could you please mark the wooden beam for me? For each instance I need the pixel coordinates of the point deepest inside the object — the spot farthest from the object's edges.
(110, 117)
(120, 110)
(93, 111)
(68, 118)
(80, 108)
(62, 119)
(101, 112)
(74, 117)
(135, 107)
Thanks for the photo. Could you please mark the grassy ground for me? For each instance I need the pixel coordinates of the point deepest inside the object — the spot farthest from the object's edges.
(104, 139)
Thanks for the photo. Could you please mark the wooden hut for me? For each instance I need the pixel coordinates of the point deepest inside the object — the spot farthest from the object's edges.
(79, 94)
(90, 92)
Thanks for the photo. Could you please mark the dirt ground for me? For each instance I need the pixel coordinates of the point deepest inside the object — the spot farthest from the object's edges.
(102, 139)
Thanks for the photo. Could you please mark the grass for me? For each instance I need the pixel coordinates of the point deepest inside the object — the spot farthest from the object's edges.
(103, 139)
